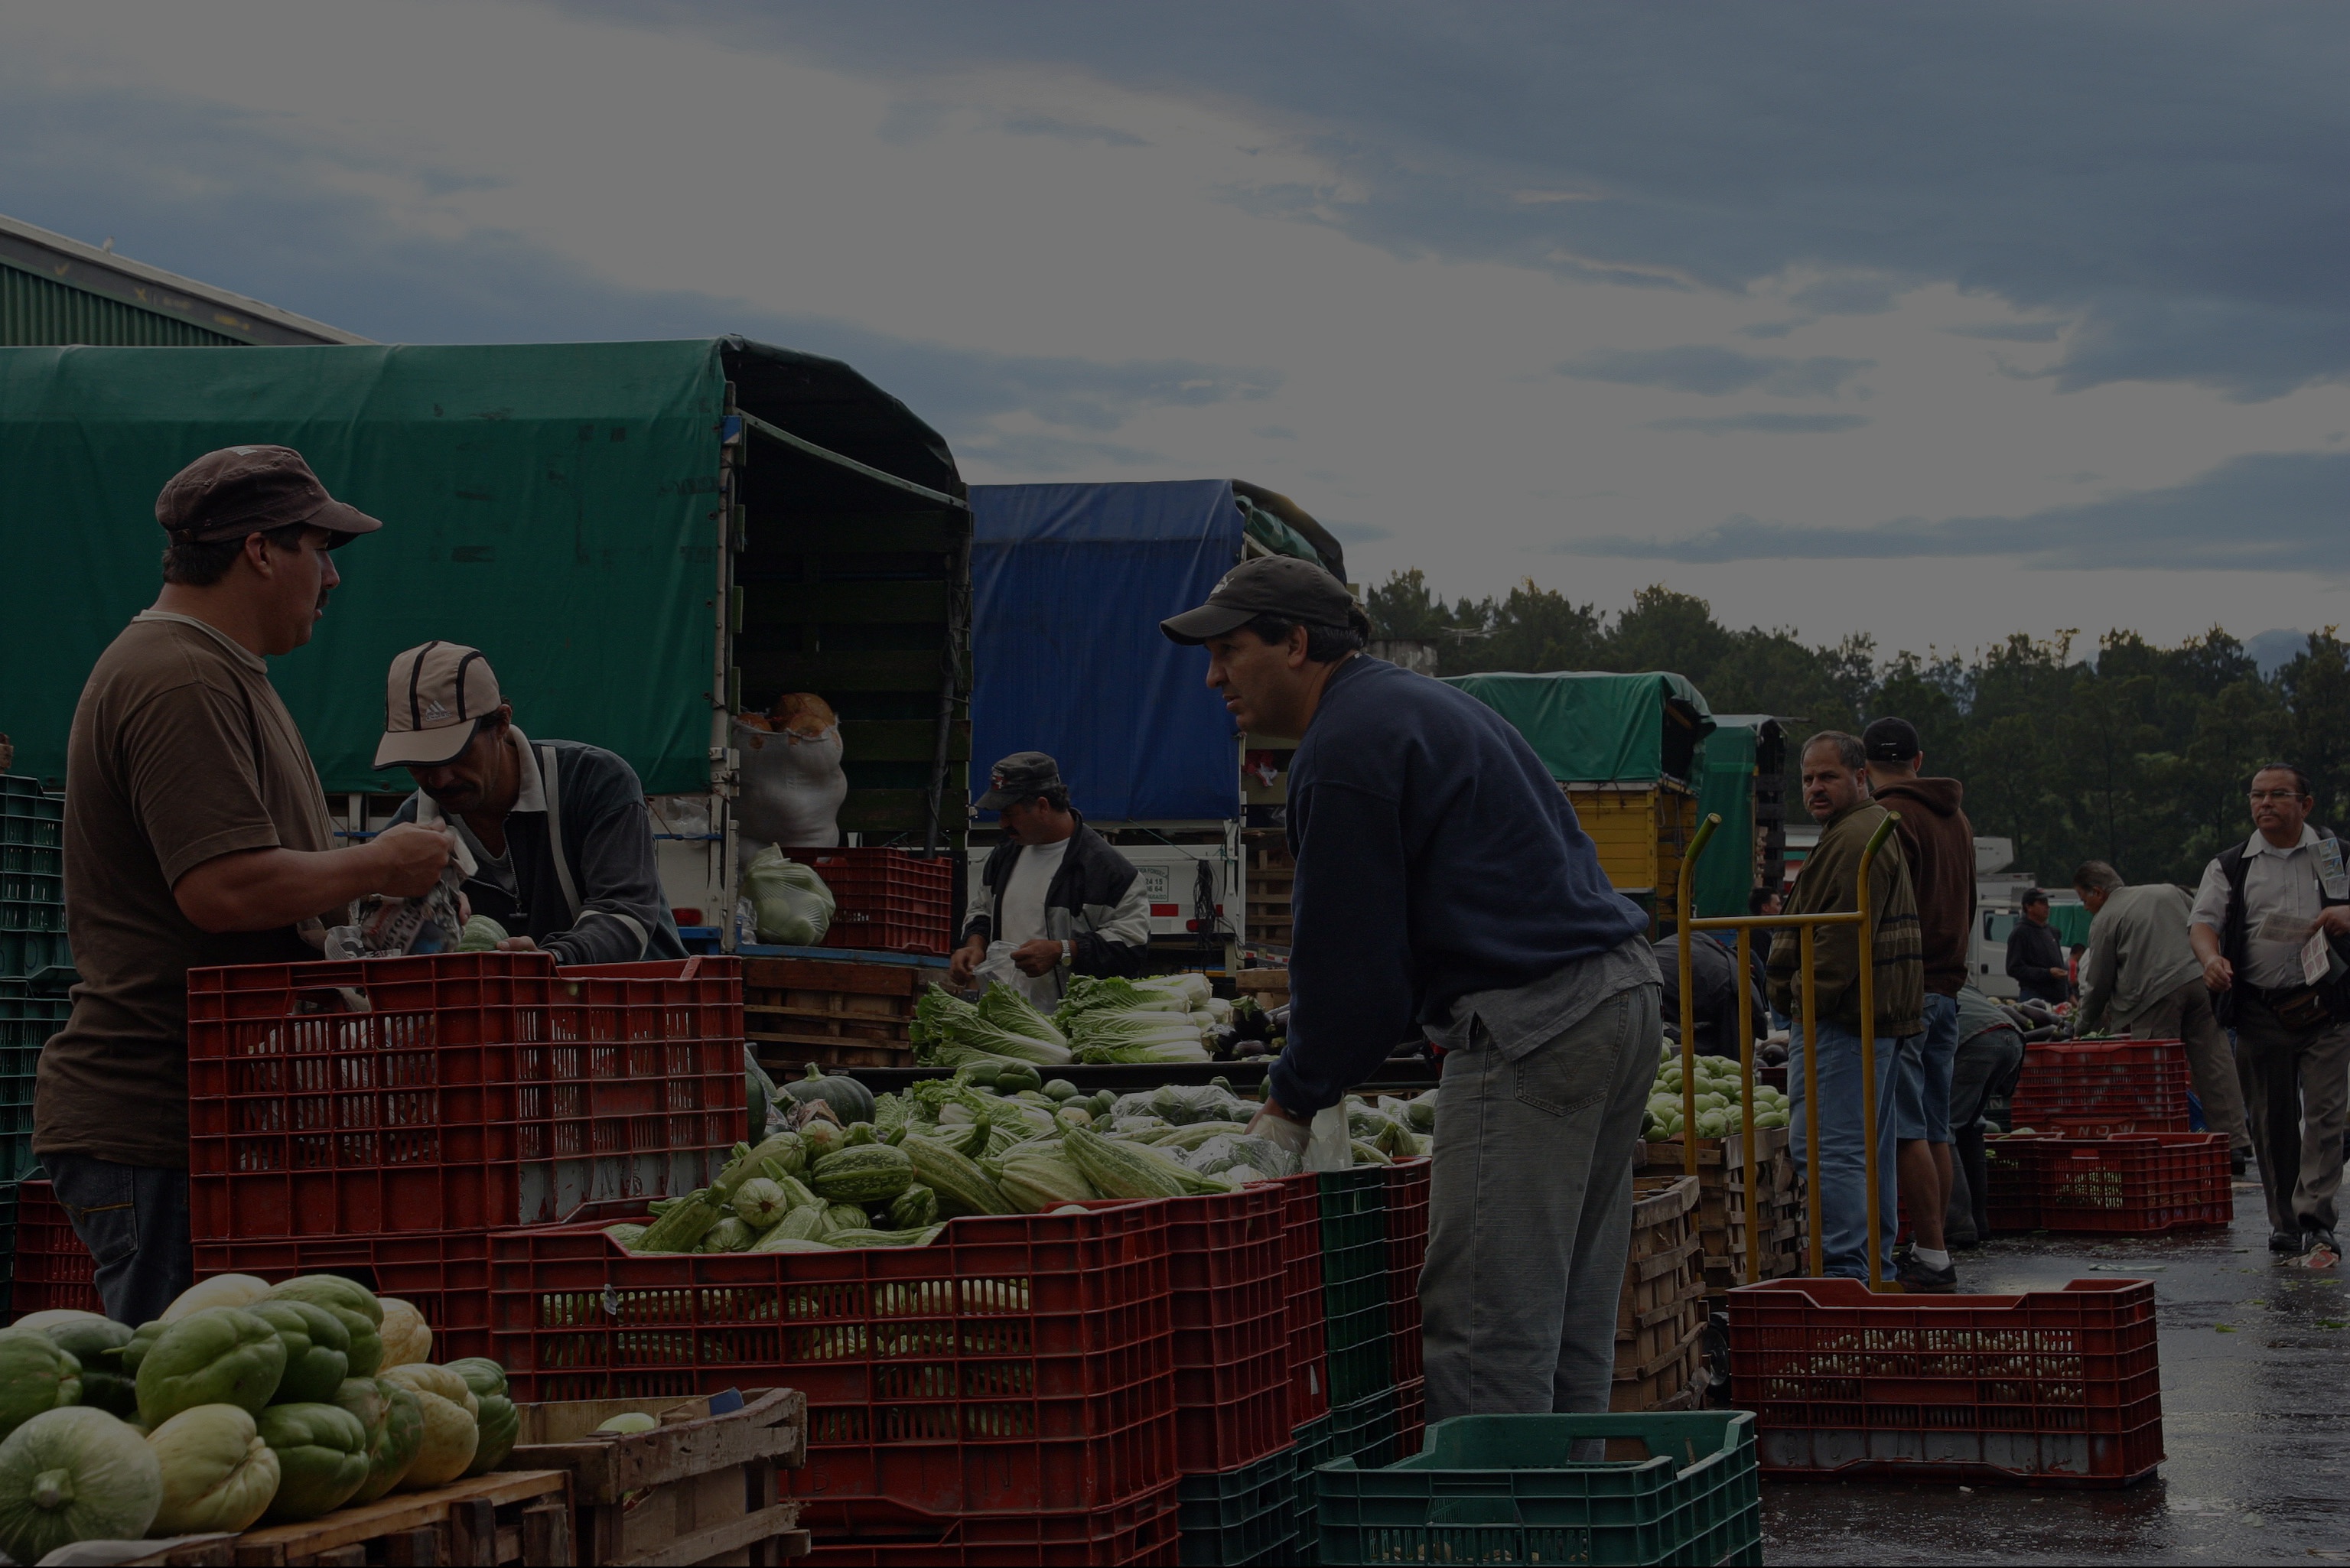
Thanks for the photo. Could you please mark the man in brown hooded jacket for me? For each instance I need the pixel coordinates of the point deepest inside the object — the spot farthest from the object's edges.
(1939, 844)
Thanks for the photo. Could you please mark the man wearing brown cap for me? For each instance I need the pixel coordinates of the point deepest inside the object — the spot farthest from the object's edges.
(1444, 887)
(562, 844)
(195, 834)
(1061, 898)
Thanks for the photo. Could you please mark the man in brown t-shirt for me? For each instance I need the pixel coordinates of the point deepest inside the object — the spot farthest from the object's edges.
(196, 834)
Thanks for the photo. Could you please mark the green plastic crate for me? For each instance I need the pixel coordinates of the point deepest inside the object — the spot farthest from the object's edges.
(1360, 1357)
(1363, 1430)
(1238, 1516)
(1354, 1211)
(1502, 1488)
(1317, 1444)
(23, 954)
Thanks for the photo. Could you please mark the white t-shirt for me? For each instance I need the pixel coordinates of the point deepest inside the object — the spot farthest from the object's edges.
(1023, 895)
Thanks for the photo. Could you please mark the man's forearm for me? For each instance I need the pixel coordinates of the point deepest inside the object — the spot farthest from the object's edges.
(262, 889)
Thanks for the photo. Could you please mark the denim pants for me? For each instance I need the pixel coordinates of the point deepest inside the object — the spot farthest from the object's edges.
(1530, 1215)
(134, 1220)
(1844, 1187)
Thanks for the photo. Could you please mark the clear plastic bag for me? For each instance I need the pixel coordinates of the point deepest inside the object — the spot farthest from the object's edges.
(791, 907)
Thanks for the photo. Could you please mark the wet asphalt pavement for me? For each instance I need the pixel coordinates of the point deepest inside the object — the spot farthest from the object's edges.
(2256, 1415)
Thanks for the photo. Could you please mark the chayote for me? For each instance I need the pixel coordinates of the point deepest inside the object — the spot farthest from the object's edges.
(221, 1355)
(353, 1305)
(500, 1422)
(321, 1455)
(395, 1429)
(317, 1350)
(37, 1374)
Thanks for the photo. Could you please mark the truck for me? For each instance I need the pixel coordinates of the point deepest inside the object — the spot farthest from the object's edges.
(1069, 585)
(646, 538)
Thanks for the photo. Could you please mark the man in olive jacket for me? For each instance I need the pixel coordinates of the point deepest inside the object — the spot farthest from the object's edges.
(1835, 793)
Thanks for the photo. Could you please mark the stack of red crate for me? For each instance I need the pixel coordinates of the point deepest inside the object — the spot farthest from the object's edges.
(1016, 1369)
(381, 1117)
(53, 1267)
(1301, 1245)
(1407, 1201)
(2047, 1387)
(1228, 1283)
(2130, 1184)
(886, 900)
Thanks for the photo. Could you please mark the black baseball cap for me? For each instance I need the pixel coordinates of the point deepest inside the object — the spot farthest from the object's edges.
(1282, 586)
(2034, 895)
(1021, 777)
(241, 490)
(1890, 741)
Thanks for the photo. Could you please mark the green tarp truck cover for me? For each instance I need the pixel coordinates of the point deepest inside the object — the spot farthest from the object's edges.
(1725, 788)
(555, 505)
(1591, 727)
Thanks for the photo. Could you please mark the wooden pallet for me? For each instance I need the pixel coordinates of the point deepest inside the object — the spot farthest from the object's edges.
(1721, 1204)
(521, 1516)
(697, 1489)
(1270, 874)
(839, 1014)
(1660, 1312)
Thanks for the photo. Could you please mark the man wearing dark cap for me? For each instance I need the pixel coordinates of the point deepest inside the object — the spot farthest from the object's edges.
(1444, 887)
(195, 834)
(1054, 890)
(561, 842)
(2035, 954)
(1938, 843)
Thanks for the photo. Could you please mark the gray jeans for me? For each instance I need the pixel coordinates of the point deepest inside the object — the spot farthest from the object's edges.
(1530, 1215)
(134, 1220)
(2184, 1015)
(2299, 1083)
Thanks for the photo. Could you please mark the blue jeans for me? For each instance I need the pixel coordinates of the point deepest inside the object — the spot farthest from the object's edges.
(134, 1220)
(1844, 1189)
(1924, 1104)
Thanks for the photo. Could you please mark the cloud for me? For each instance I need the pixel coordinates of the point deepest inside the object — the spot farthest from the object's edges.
(1360, 533)
(2274, 512)
(1765, 424)
(1846, 297)
(2169, 173)
(1713, 372)
(1065, 131)
(2011, 331)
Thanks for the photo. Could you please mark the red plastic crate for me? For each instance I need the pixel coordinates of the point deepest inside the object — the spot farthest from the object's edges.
(2050, 1387)
(2087, 1087)
(461, 1091)
(53, 1267)
(445, 1276)
(2137, 1184)
(1017, 1364)
(868, 1534)
(1406, 1249)
(1301, 1241)
(886, 900)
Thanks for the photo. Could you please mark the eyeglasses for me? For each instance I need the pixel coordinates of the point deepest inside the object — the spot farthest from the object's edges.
(2261, 794)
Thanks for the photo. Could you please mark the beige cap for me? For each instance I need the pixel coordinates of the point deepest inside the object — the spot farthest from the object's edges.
(431, 703)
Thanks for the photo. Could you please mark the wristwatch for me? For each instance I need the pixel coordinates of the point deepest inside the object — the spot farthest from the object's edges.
(1068, 951)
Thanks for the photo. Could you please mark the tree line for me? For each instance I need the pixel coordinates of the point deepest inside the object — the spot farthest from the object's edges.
(2134, 753)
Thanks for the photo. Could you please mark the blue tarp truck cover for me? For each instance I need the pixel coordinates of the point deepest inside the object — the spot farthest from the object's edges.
(1069, 583)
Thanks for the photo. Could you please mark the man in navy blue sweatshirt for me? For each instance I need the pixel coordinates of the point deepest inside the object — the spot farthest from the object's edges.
(1444, 887)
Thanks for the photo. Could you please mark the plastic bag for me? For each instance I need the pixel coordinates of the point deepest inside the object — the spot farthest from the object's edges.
(791, 905)
(1328, 1147)
(390, 928)
(792, 782)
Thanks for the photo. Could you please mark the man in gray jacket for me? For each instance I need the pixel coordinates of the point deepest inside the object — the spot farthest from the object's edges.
(560, 838)
(2142, 970)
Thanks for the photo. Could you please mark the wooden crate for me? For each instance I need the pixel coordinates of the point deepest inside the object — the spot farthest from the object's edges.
(1641, 831)
(1720, 1208)
(836, 1014)
(1269, 986)
(699, 1488)
(1660, 1313)
(521, 1516)
(1270, 874)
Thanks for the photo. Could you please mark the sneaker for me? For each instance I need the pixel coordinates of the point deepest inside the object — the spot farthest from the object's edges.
(1917, 1279)
(2287, 1243)
(2238, 1164)
(2312, 1238)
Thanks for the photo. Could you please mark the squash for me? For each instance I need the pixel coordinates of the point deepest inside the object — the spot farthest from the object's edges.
(760, 1202)
(850, 1100)
(317, 1350)
(221, 1290)
(500, 1422)
(217, 1472)
(51, 1317)
(395, 1426)
(219, 1355)
(96, 1343)
(629, 1423)
(873, 1174)
(451, 1433)
(37, 1374)
(406, 1338)
(351, 1302)
(75, 1474)
(322, 1457)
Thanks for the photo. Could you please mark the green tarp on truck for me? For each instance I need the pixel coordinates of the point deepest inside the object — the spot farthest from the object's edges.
(561, 507)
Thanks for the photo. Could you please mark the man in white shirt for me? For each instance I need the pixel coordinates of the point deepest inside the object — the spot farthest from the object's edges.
(1067, 903)
(2264, 926)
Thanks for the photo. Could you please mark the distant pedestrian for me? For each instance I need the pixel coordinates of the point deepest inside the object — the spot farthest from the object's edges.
(2143, 973)
(1835, 793)
(2035, 955)
(2261, 906)
(1990, 1059)
(1938, 843)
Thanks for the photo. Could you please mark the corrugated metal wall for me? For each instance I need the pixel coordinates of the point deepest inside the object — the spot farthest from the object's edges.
(36, 310)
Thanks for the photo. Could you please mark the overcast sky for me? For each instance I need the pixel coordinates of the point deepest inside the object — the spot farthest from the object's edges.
(1935, 322)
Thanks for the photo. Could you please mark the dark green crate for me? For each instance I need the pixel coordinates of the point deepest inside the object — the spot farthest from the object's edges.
(44, 859)
(27, 1019)
(1316, 1443)
(23, 954)
(1363, 1431)
(1359, 1261)
(1502, 1488)
(17, 1159)
(1238, 1516)
(24, 915)
(1354, 1208)
(31, 886)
